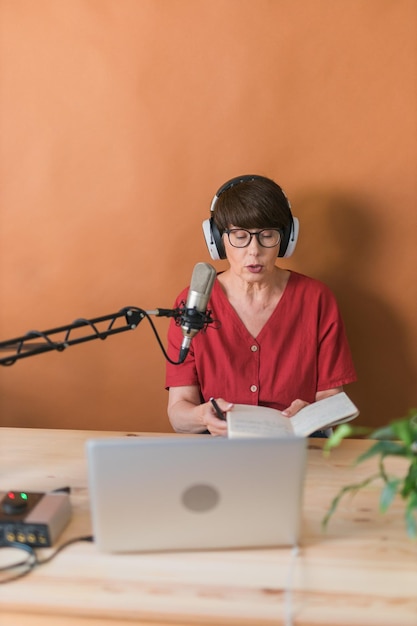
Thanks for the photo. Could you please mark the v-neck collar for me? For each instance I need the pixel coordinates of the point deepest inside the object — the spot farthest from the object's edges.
(238, 322)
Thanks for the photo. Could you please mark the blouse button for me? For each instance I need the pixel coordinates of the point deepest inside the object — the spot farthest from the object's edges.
(254, 348)
(254, 388)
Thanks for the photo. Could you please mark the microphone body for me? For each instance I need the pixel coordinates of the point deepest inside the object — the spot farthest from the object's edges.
(194, 316)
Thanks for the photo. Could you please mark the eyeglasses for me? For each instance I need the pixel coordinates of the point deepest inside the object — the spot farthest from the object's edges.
(241, 238)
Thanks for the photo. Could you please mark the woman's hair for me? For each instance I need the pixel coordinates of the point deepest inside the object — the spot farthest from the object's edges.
(255, 203)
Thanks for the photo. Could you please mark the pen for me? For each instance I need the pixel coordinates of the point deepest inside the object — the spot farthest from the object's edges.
(219, 412)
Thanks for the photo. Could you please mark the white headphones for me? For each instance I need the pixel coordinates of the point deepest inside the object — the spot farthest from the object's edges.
(214, 239)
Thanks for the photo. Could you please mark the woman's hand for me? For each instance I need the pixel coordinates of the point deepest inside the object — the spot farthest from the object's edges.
(294, 407)
(215, 425)
(297, 405)
(188, 415)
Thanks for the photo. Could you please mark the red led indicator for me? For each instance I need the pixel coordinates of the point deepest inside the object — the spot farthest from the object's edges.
(11, 495)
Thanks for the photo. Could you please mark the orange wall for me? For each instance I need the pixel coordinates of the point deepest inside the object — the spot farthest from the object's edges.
(119, 120)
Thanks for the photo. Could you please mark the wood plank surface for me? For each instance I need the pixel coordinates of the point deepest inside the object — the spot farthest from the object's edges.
(362, 570)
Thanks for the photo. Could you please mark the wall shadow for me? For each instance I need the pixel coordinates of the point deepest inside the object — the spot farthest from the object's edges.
(339, 240)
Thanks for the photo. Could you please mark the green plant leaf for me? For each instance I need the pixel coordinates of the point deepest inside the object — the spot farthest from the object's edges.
(386, 432)
(342, 432)
(399, 438)
(410, 481)
(384, 448)
(354, 488)
(411, 524)
(411, 515)
(403, 431)
(388, 493)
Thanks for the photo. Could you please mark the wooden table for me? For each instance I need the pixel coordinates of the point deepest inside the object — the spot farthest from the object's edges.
(363, 570)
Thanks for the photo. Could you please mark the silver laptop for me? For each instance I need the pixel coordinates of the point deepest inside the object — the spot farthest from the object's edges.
(181, 493)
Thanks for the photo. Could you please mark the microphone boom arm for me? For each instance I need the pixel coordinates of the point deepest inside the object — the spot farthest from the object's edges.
(37, 342)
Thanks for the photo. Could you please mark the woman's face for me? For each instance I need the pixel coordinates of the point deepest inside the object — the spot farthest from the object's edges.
(253, 263)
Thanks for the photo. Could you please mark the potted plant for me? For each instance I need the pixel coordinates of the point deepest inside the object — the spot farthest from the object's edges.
(398, 438)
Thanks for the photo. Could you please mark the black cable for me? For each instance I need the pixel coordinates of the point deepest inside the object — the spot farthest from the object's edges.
(30, 563)
(164, 352)
(89, 538)
(206, 320)
(33, 561)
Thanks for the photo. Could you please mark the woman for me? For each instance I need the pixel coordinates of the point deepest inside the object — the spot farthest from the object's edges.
(279, 340)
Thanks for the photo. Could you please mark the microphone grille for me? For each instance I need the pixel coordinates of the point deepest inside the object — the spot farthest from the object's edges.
(202, 279)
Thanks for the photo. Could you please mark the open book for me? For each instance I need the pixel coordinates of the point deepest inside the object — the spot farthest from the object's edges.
(246, 420)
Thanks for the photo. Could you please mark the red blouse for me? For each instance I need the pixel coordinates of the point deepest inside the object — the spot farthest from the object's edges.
(301, 349)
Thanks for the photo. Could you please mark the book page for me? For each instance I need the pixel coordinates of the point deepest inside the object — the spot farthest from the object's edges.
(324, 414)
(257, 421)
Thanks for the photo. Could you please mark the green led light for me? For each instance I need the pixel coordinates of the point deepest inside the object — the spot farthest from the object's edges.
(23, 495)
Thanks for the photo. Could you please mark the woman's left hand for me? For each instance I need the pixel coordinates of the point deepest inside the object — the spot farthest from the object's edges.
(294, 407)
(298, 404)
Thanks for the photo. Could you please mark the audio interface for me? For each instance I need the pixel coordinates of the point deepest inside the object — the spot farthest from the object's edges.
(32, 518)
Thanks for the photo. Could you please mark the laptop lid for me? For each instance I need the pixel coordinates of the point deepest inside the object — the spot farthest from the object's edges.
(179, 493)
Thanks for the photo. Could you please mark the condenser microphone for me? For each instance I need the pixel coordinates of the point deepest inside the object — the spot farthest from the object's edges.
(194, 316)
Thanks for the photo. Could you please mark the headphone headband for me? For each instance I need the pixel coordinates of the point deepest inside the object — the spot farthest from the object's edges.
(231, 183)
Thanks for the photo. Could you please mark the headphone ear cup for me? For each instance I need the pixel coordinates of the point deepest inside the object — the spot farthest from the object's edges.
(213, 240)
(290, 238)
